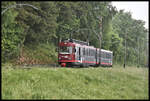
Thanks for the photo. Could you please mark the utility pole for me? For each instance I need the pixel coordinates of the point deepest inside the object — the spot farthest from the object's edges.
(100, 39)
(139, 52)
(125, 50)
(138, 60)
(100, 35)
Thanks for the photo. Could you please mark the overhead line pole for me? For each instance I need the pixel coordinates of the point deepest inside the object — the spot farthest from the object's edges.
(125, 50)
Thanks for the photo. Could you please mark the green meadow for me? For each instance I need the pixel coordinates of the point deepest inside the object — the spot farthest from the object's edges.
(75, 83)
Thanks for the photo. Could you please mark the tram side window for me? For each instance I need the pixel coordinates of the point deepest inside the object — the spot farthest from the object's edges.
(77, 50)
(108, 55)
(92, 52)
(111, 56)
(89, 52)
(104, 55)
(86, 52)
(103, 58)
(83, 51)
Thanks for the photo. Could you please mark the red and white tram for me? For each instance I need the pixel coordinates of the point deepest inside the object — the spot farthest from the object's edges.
(78, 53)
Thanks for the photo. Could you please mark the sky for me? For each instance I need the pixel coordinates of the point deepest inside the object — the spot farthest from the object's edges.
(138, 9)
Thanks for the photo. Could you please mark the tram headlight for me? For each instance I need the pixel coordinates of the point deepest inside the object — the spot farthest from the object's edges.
(65, 56)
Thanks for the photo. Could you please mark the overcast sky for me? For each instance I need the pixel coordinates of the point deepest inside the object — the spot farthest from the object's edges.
(139, 10)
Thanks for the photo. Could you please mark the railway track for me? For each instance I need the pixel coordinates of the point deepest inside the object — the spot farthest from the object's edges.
(29, 66)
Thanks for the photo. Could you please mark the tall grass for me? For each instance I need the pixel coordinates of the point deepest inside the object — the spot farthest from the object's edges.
(75, 83)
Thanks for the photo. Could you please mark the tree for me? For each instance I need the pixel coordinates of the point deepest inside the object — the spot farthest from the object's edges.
(131, 31)
(11, 33)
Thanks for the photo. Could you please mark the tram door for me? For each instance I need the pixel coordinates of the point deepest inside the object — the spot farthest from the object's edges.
(79, 53)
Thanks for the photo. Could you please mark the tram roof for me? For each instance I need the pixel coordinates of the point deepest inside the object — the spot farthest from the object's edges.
(106, 50)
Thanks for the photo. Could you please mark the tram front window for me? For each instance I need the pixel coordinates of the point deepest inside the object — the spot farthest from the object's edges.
(65, 50)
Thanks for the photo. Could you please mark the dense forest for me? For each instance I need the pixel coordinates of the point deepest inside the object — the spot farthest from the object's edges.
(31, 36)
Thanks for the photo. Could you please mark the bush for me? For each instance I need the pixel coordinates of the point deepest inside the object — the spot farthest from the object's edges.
(38, 54)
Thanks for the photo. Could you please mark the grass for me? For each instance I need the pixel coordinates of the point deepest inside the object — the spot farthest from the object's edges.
(75, 83)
